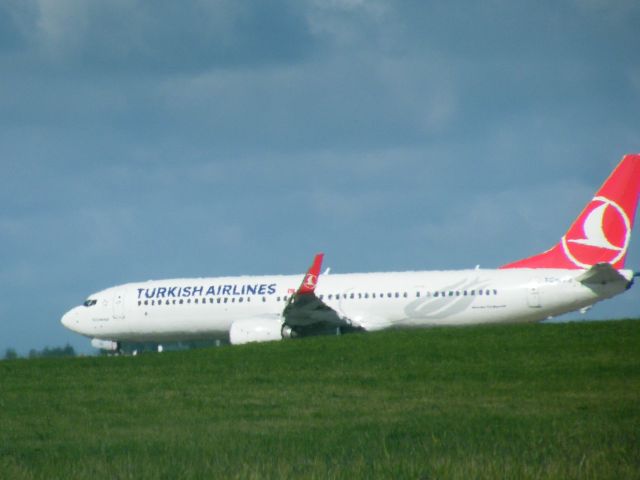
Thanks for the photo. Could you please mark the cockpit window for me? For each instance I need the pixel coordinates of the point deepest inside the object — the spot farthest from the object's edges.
(90, 302)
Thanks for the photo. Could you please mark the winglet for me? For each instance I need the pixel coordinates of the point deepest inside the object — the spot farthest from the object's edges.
(310, 280)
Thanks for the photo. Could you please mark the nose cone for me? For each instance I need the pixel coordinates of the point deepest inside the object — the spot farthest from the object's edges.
(70, 319)
(66, 320)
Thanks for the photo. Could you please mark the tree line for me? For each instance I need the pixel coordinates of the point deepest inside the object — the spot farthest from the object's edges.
(127, 348)
(46, 352)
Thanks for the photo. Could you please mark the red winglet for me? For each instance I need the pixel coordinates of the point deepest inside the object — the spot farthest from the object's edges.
(308, 285)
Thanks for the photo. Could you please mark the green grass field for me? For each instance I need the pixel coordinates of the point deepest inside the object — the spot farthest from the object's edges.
(531, 401)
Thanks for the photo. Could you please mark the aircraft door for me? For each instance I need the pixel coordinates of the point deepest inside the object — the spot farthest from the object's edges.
(118, 305)
(533, 295)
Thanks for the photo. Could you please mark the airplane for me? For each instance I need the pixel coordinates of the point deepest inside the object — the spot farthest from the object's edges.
(584, 267)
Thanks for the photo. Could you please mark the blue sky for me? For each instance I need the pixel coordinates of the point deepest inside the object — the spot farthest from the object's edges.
(155, 139)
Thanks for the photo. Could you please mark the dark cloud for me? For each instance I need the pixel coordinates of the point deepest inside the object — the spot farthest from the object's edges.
(157, 37)
(13, 35)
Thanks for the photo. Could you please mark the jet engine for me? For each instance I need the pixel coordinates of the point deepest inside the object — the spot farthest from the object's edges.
(255, 330)
(109, 345)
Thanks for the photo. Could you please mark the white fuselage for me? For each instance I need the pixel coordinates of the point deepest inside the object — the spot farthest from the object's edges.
(205, 308)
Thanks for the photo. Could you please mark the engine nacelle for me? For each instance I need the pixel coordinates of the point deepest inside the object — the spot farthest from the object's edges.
(255, 330)
(109, 345)
(288, 332)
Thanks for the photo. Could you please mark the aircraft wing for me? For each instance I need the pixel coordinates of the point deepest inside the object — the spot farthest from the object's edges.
(305, 313)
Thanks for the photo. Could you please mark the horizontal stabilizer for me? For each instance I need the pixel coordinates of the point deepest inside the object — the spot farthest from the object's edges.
(601, 273)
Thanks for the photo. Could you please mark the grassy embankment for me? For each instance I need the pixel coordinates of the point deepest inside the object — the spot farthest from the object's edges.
(532, 401)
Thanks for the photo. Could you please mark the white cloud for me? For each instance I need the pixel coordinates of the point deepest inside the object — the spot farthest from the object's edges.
(347, 22)
(422, 88)
(62, 25)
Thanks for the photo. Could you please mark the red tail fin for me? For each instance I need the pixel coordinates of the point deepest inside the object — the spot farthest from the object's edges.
(602, 232)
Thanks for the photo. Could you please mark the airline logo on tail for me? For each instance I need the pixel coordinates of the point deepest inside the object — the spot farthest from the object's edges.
(605, 234)
(310, 281)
